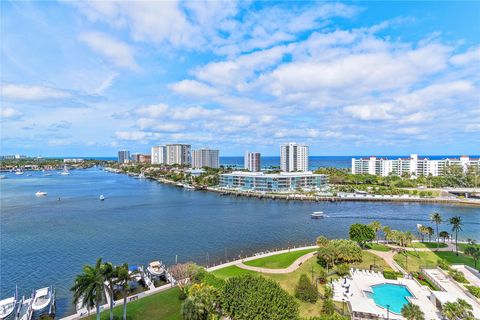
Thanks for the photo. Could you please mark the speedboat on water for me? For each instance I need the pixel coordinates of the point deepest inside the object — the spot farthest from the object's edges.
(156, 269)
(19, 172)
(7, 308)
(102, 198)
(318, 215)
(40, 193)
(42, 301)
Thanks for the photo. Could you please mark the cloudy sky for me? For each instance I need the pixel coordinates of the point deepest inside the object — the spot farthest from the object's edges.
(82, 78)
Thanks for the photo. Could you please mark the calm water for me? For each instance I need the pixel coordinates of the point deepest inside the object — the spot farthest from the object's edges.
(44, 241)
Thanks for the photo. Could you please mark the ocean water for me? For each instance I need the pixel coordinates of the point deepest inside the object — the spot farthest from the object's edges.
(44, 241)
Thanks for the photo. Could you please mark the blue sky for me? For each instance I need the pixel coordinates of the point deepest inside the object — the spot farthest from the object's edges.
(84, 78)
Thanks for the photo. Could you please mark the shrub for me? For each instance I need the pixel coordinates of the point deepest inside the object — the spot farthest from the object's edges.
(328, 307)
(391, 275)
(458, 276)
(254, 297)
(306, 290)
(343, 269)
(444, 265)
(474, 290)
(208, 278)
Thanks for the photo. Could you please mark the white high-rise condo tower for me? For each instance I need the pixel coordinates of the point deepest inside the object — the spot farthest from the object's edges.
(205, 158)
(123, 156)
(293, 157)
(159, 155)
(178, 154)
(252, 161)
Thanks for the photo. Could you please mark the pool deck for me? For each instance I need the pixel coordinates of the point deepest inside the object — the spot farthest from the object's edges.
(363, 306)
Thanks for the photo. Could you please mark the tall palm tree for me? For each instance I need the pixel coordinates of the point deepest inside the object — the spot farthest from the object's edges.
(123, 279)
(386, 231)
(474, 252)
(457, 224)
(436, 218)
(110, 274)
(89, 286)
(411, 311)
(376, 226)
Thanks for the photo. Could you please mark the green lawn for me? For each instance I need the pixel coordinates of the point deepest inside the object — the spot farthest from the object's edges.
(451, 258)
(462, 246)
(278, 261)
(416, 260)
(377, 247)
(231, 271)
(369, 259)
(162, 306)
(430, 245)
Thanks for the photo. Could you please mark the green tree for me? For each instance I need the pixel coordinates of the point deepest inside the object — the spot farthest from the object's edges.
(322, 241)
(201, 303)
(328, 307)
(459, 309)
(436, 218)
(361, 233)
(260, 299)
(444, 235)
(306, 290)
(474, 252)
(192, 310)
(456, 223)
(123, 279)
(411, 311)
(386, 231)
(89, 286)
(110, 273)
(376, 226)
(430, 232)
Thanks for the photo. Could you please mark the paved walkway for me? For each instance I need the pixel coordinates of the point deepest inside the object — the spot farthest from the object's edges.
(294, 266)
(388, 257)
(449, 247)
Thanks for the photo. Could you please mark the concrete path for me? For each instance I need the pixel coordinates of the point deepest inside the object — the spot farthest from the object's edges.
(294, 266)
(449, 247)
(388, 257)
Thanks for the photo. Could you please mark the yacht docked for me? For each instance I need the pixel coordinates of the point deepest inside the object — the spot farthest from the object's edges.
(7, 308)
(156, 269)
(318, 215)
(24, 310)
(43, 301)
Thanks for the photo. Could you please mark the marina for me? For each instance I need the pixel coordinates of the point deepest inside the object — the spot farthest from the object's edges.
(142, 221)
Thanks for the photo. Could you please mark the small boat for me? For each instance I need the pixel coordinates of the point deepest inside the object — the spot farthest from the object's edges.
(25, 310)
(318, 215)
(19, 172)
(40, 193)
(156, 269)
(65, 171)
(188, 187)
(42, 300)
(102, 198)
(141, 176)
(47, 174)
(7, 308)
(3, 176)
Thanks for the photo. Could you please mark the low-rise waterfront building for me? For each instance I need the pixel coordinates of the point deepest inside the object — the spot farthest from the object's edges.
(78, 160)
(293, 157)
(413, 166)
(252, 161)
(158, 155)
(205, 158)
(123, 156)
(178, 154)
(278, 182)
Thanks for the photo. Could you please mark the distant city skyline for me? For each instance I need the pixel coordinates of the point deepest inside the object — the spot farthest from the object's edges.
(347, 79)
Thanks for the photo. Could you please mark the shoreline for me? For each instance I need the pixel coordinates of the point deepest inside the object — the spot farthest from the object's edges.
(310, 198)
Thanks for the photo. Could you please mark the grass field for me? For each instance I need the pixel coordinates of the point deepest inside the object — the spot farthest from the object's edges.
(451, 258)
(162, 306)
(377, 247)
(278, 261)
(430, 245)
(231, 271)
(416, 260)
(462, 246)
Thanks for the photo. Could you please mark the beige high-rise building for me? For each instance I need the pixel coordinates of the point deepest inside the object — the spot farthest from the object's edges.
(205, 158)
(178, 154)
(252, 161)
(293, 157)
(159, 155)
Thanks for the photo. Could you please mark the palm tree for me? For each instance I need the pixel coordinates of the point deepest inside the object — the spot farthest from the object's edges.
(457, 224)
(376, 226)
(459, 309)
(89, 286)
(123, 279)
(474, 252)
(110, 274)
(436, 218)
(411, 311)
(444, 235)
(430, 232)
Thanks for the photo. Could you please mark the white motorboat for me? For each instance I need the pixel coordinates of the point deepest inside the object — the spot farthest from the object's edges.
(7, 308)
(101, 198)
(3, 176)
(19, 172)
(42, 299)
(47, 174)
(318, 215)
(40, 193)
(65, 171)
(156, 268)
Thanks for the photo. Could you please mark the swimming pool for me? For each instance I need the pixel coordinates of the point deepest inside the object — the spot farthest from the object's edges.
(390, 296)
